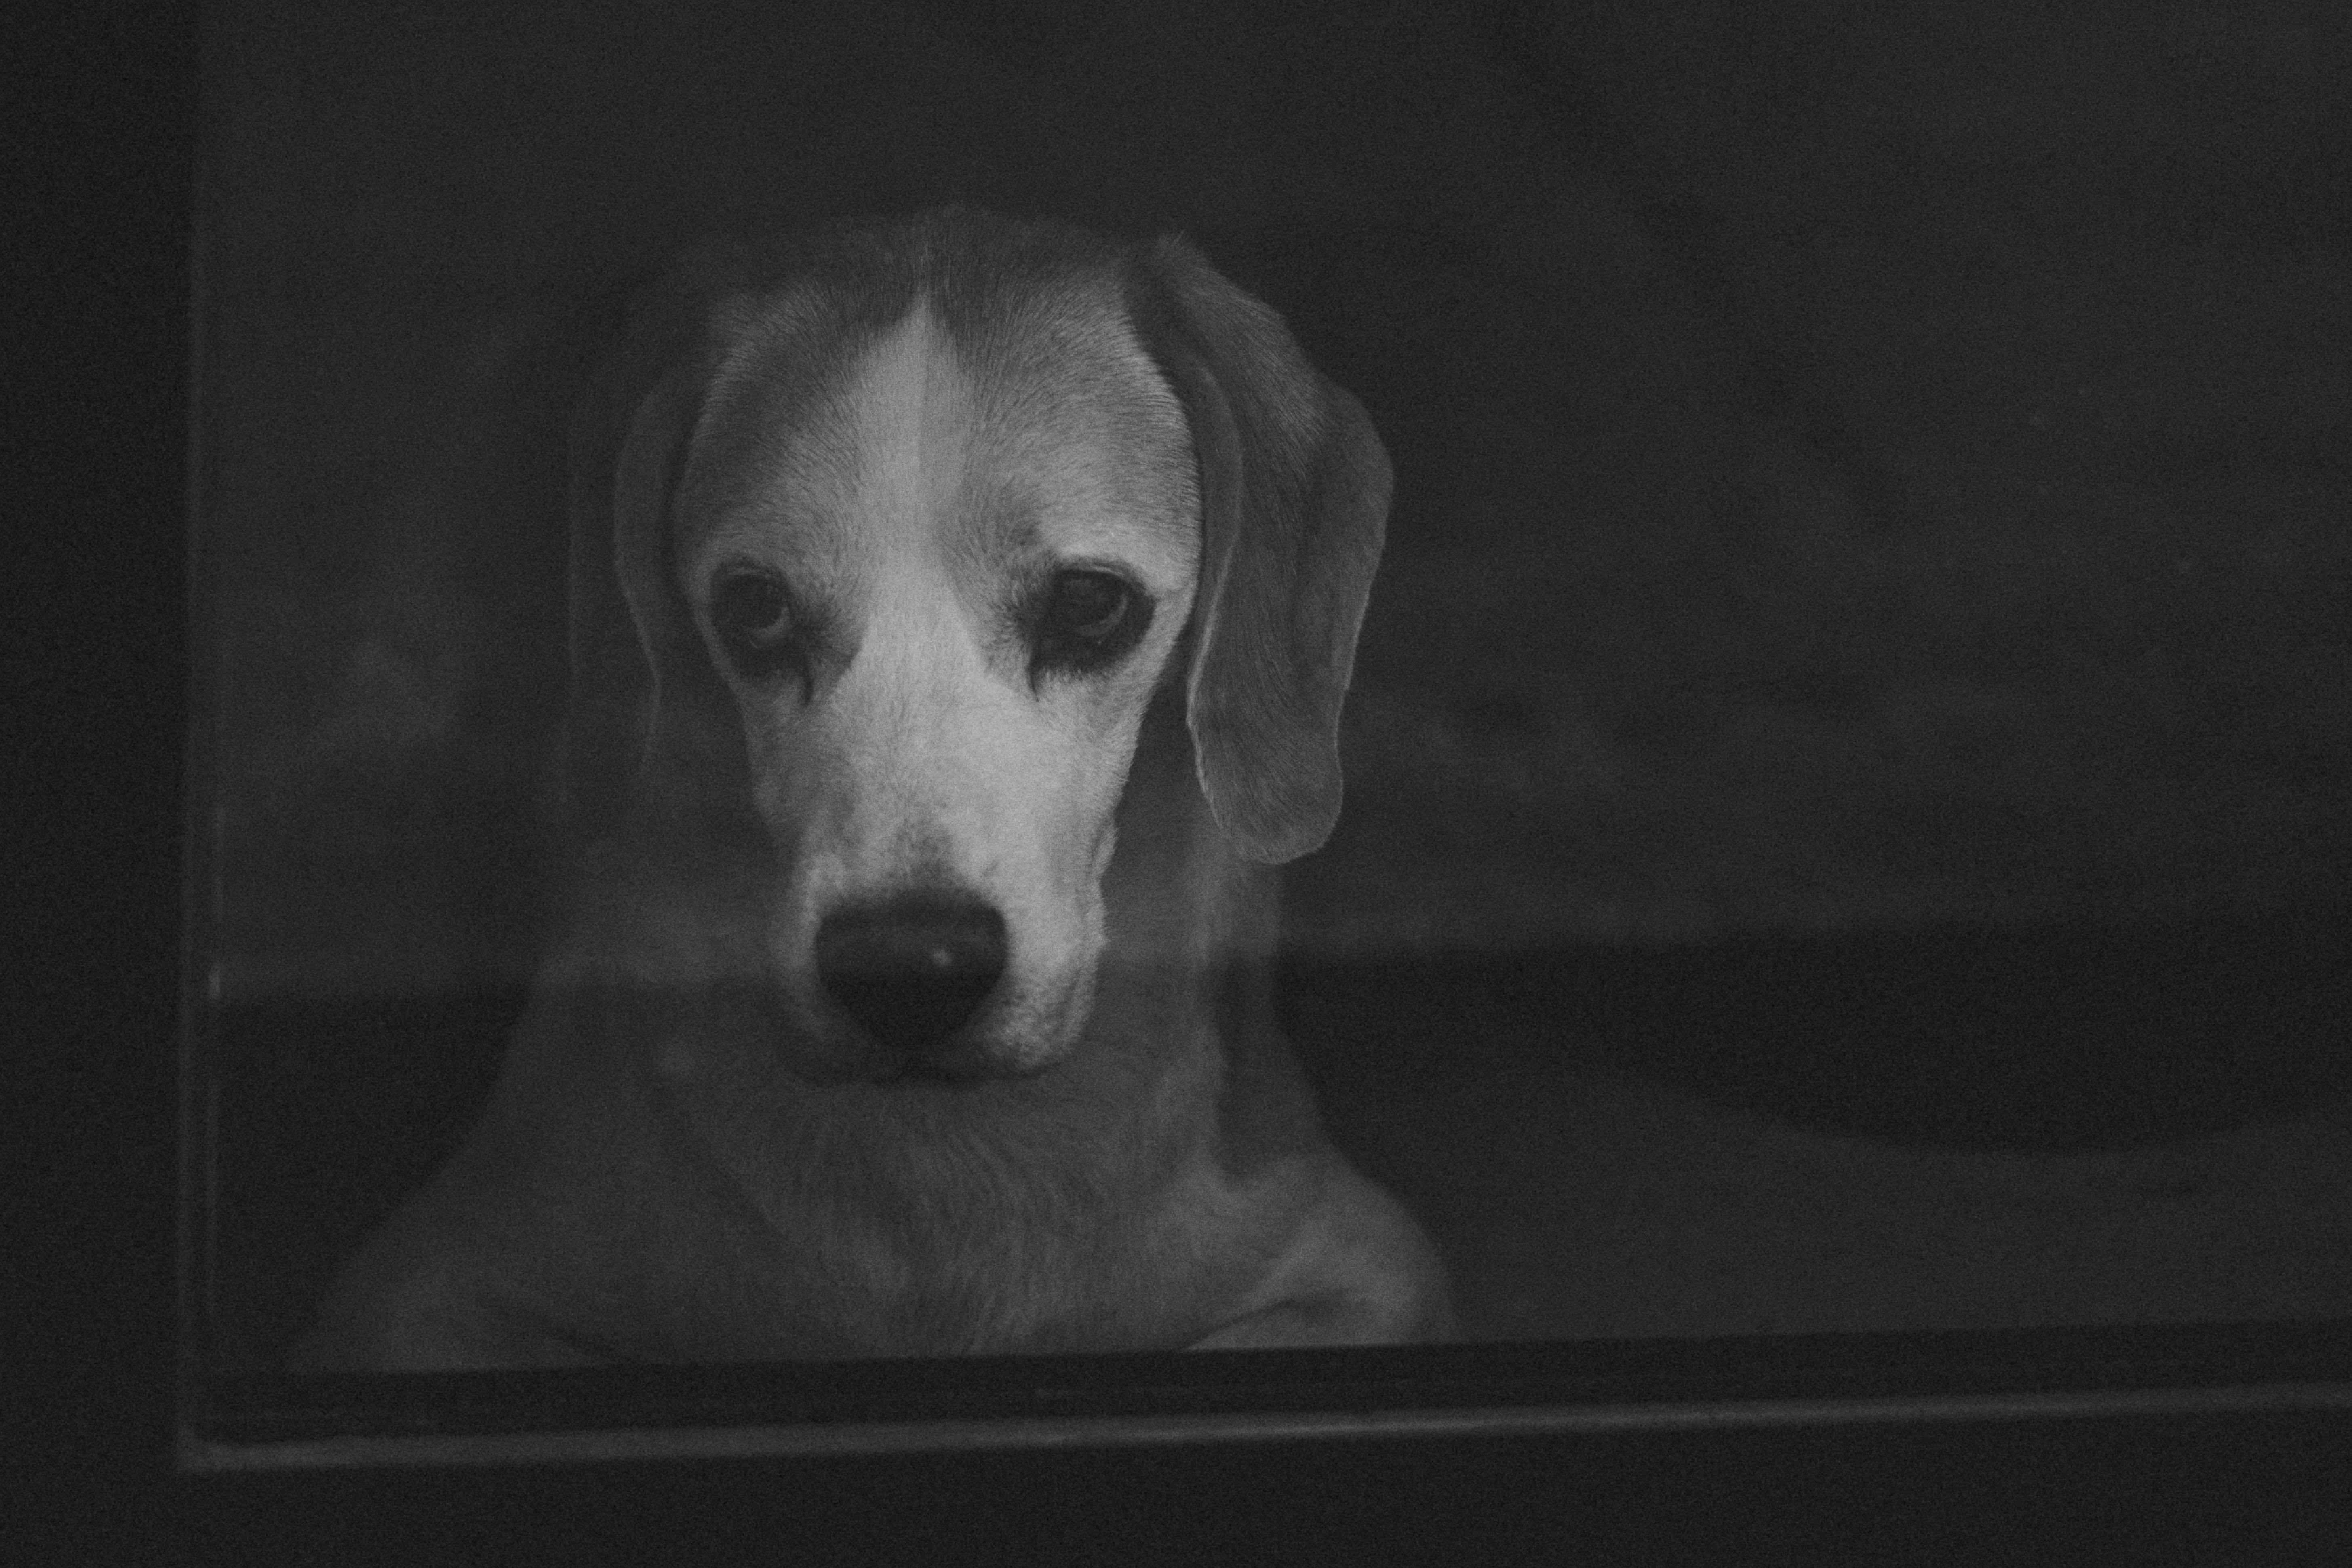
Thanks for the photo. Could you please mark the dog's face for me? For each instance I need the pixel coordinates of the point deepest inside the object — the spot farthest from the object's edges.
(895, 528)
(940, 581)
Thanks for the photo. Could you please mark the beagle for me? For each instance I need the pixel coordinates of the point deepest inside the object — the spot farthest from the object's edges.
(960, 613)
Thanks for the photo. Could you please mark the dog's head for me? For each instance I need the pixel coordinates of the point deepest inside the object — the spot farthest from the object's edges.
(892, 532)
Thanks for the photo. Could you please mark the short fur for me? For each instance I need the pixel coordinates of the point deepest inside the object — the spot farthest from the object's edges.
(692, 1152)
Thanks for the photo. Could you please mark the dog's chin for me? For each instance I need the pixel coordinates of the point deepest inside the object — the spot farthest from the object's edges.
(844, 1059)
(954, 1070)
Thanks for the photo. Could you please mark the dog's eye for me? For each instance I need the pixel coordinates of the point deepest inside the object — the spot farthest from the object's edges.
(749, 611)
(1088, 620)
(749, 603)
(1088, 605)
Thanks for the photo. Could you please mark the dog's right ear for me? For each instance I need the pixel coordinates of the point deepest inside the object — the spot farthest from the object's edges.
(631, 636)
(1294, 507)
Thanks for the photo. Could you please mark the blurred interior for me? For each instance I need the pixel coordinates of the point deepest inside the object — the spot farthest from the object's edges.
(1848, 768)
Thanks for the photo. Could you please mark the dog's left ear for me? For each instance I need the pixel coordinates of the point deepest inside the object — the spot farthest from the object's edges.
(1294, 502)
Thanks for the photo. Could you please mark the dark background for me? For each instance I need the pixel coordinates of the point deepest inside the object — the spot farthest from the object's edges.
(1857, 466)
(1847, 775)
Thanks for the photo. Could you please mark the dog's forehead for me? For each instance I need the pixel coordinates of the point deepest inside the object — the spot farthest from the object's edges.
(1038, 424)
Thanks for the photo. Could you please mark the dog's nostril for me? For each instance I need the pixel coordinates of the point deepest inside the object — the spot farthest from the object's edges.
(911, 970)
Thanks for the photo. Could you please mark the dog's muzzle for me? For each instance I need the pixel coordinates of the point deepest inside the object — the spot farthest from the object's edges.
(912, 972)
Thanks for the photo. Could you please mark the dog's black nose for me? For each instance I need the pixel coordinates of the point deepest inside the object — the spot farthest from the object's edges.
(911, 970)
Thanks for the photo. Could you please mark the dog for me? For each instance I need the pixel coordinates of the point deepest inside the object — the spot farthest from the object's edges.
(962, 609)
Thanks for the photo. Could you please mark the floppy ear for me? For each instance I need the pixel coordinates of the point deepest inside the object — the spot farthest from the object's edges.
(1294, 502)
(631, 637)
